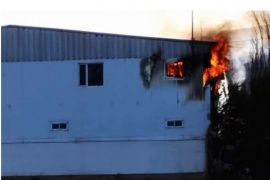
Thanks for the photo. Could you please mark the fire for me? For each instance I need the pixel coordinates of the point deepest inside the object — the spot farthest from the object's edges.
(219, 62)
(175, 69)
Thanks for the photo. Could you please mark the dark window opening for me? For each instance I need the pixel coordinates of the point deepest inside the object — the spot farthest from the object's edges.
(82, 74)
(55, 126)
(178, 123)
(59, 126)
(175, 69)
(175, 123)
(95, 74)
(63, 125)
(170, 123)
(91, 74)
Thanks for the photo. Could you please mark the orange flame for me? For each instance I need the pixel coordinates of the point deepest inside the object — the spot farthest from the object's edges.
(175, 69)
(219, 62)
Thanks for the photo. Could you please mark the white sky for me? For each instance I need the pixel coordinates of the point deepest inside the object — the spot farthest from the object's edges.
(159, 18)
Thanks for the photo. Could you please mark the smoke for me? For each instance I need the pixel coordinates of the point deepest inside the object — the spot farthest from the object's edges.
(223, 29)
(236, 26)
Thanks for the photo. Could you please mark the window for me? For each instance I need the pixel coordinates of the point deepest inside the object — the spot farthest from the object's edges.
(174, 123)
(175, 69)
(91, 74)
(59, 126)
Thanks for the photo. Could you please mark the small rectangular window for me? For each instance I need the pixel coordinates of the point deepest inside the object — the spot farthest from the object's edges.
(178, 123)
(175, 69)
(170, 123)
(63, 126)
(59, 126)
(55, 126)
(174, 123)
(91, 74)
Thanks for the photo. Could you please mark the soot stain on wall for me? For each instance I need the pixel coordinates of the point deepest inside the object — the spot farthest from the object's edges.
(150, 66)
(193, 66)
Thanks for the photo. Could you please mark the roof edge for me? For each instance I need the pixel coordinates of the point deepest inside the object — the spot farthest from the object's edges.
(101, 33)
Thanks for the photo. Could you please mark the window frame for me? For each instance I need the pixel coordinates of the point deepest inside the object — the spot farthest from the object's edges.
(165, 70)
(87, 75)
(174, 120)
(59, 125)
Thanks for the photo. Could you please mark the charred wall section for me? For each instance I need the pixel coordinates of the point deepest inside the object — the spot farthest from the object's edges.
(192, 62)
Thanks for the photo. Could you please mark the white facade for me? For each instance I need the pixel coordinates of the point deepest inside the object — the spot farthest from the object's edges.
(117, 128)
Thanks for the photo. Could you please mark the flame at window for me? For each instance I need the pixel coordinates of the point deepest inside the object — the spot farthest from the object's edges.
(219, 62)
(175, 69)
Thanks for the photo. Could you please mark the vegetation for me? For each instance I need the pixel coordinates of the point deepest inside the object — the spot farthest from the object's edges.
(243, 122)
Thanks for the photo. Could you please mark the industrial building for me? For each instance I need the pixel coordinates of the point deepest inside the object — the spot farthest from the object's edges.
(88, 103)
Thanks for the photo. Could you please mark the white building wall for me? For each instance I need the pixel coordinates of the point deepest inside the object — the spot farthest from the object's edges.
(119, 127)
(135, 157)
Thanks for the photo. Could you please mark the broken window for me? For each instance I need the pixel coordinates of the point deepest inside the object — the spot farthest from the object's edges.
(91, 74)
(175, 69)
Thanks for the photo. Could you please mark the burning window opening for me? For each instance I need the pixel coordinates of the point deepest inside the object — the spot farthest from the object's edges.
(175, 69)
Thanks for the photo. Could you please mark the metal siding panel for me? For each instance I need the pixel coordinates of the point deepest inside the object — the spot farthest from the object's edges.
(31, 47)
(22, 46)
(64, 45)
(87, 46)
(39, 38)
(69, 46)
(46, 47)
(123, 47)
(115, 47)
(57, 42)
(37, 44)
(82, 46)
(109, 47)
(141, 48)
(3, 45)
(106, 46)
(119, 47)
(169, 49)
(52, 46)
(79, 46)
(93, 46)
(128, 50)
(73, 52)
(75, 47)
(129, 44)
(43, 46)
(175, 49)
(132, 51)
(9, 46)
(15, 44)
(103, 47)
(151, 47)
(148, 47)
(98, 46)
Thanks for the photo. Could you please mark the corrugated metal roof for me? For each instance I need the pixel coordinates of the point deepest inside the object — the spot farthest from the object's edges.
(23, 43)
